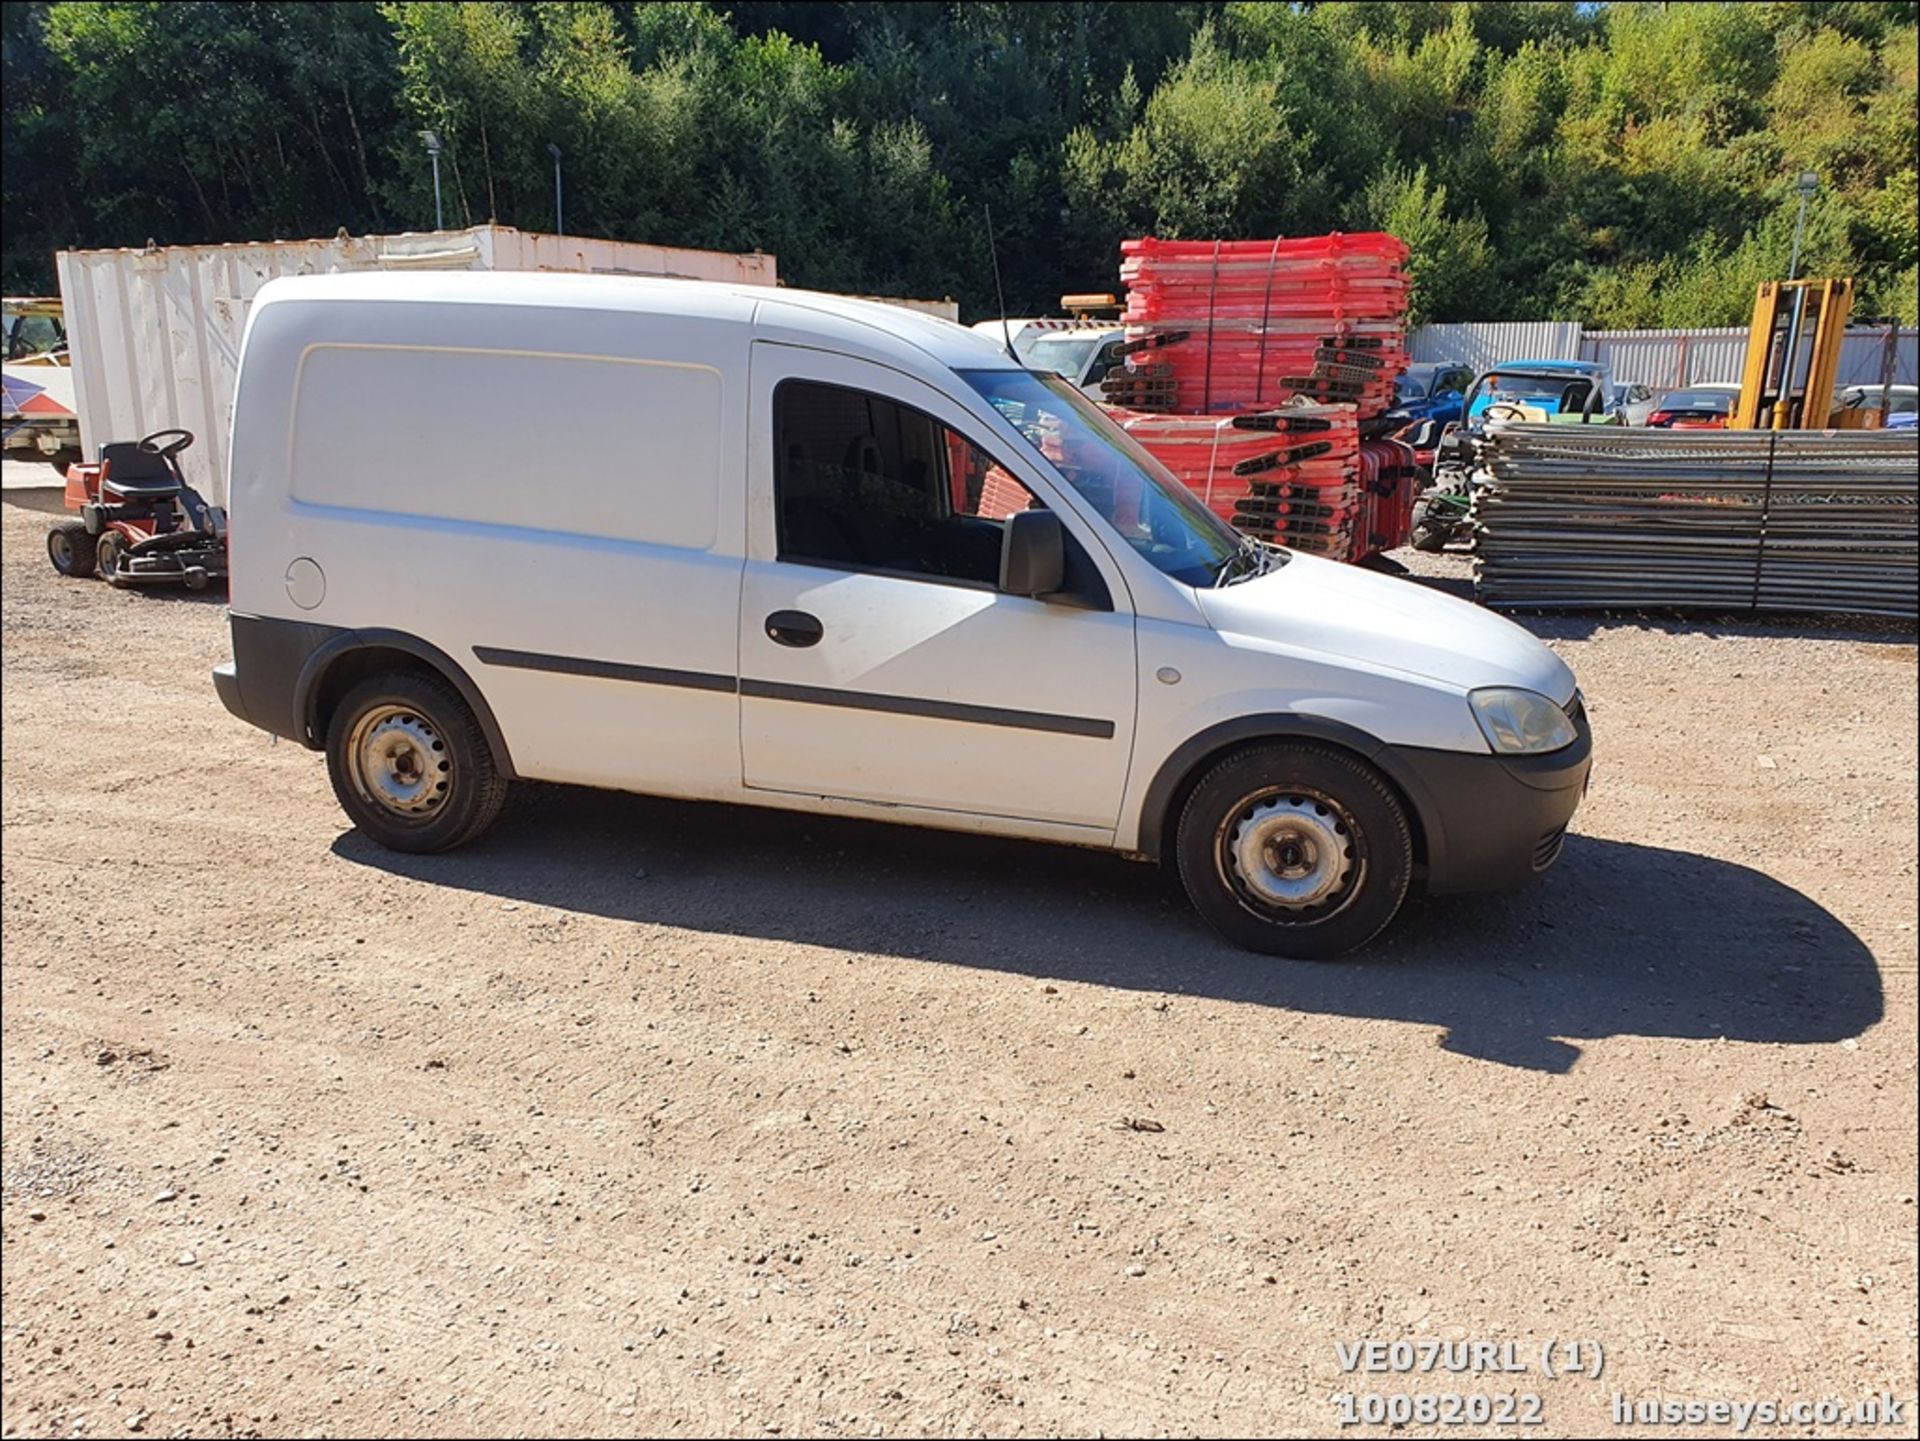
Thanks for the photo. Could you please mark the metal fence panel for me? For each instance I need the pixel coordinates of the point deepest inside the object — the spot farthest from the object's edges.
(1669, 359)
(1874, 357)
(1484, 345)
(1664, 359)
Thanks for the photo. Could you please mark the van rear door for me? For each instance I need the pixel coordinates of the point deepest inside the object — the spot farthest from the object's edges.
(879, 661)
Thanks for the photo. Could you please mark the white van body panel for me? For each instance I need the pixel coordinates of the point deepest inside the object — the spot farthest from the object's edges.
(391, 444)
(1007, 657)
(1355, 617)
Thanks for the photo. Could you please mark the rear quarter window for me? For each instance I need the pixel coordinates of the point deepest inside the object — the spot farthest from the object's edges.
(627, 449)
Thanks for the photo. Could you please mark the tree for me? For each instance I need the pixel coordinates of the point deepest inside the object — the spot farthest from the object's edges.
(1450, 261)
(1624, 163)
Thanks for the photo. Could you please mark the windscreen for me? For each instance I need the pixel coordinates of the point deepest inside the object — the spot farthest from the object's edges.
(1155, 514)
(1567, 392)
(1063, 355)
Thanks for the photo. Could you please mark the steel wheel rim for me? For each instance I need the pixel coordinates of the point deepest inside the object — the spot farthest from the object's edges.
(399, 761)
(1291, 855)
(62, 547)
(109, 557)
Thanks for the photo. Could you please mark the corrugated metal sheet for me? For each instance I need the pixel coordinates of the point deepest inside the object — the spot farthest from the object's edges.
(1672, 358)
(1873, 357)
(1664, 359)
(1484, 345)
(155, 334)
(1669, 359)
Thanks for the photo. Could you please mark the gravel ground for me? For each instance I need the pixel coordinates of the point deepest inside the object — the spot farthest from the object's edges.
(642, 1116)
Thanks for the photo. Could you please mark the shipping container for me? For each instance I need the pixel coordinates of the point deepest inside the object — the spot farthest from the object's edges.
(948, 309)
(155, 333)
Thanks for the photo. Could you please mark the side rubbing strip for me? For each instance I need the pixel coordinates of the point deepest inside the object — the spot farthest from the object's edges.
(603, 669)
(986, 715)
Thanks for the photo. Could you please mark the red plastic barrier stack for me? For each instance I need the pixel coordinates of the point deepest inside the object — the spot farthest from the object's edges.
(1302, 336)
(1289, 476)
(1389, 478)
(1265, 321)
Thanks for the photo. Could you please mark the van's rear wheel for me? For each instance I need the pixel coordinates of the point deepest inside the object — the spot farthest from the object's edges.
(1295, 850)
(410, 764)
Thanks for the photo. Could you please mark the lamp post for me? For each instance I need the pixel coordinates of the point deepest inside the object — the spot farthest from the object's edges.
(431, 139)
(559, 224)
(1805, 185)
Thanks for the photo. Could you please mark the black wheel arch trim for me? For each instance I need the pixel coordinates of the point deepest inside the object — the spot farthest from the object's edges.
(307, 688)
(1183, 767)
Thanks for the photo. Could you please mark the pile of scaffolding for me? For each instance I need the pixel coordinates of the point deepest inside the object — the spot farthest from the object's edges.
(1257, 370)
(1600, 517)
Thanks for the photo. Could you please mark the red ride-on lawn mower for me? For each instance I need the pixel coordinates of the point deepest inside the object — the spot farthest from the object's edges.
(140, 522)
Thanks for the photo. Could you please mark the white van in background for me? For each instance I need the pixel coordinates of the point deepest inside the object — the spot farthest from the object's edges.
(1021, 332)
(1082, 357)
(792, 550)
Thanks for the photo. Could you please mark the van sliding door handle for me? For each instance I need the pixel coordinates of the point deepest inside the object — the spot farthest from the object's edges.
(794, 627)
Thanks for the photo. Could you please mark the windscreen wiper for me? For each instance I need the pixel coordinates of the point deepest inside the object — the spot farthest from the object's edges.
(1249, 553)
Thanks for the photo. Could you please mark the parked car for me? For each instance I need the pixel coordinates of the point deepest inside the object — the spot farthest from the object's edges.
(37, 383)
(1699, 407)
(1889, 402)
(1558, 391)
(1430, 391)
(826, 555)
(1633, 402)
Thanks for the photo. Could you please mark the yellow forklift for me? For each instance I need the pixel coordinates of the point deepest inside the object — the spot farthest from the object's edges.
(1793, 355)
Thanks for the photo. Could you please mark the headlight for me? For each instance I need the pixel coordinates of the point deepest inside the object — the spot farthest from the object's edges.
(1520, 722)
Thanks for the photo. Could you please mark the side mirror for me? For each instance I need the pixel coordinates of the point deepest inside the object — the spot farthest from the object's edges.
(1033, 554)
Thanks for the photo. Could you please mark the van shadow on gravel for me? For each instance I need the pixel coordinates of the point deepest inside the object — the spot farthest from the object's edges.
(1618, 939)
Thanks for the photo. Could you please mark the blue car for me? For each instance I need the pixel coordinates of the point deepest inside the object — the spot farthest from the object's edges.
(1552, 390)
(1430, 391)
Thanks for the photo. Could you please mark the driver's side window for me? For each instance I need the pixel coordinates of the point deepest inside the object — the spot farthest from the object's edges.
(865, 483)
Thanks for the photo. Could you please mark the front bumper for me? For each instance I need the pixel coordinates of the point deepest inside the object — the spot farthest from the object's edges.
(1493, 822)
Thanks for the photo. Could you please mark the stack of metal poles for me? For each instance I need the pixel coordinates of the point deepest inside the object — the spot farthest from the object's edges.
(1577, 517)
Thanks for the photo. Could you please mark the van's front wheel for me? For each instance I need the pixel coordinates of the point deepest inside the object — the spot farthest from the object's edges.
(1295, 850)
(410, 764)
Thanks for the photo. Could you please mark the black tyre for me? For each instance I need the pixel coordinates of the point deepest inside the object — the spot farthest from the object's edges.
(1295, 850)
(410, 764)
(110, 553)
(71, 549)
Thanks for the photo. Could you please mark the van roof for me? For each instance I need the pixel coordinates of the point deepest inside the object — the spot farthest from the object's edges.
(769, 307)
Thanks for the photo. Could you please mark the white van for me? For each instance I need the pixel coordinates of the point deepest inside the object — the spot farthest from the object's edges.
(794, 550)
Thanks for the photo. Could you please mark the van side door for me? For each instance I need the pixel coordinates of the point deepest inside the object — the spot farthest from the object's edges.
(879, 661)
